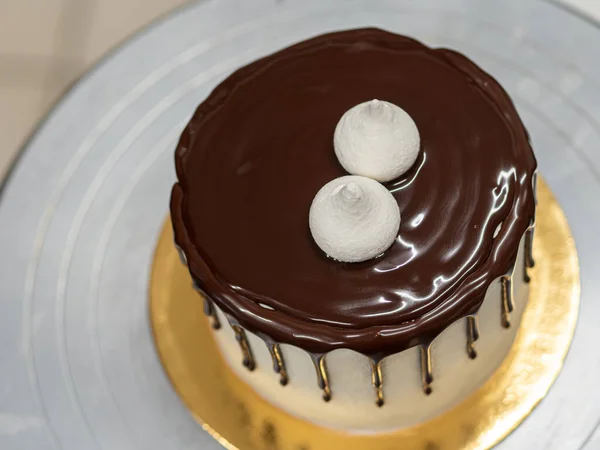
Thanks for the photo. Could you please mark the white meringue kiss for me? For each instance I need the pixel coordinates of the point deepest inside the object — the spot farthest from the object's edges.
(376, 139)
(354, 218)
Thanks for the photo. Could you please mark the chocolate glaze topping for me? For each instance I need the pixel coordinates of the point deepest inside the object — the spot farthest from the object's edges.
(259, 148)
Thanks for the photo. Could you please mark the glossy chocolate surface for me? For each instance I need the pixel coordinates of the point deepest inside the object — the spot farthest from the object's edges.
(260, 147)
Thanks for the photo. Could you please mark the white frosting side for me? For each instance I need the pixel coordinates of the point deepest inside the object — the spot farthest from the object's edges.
(376, 139)
(354, 219)
(353, 406)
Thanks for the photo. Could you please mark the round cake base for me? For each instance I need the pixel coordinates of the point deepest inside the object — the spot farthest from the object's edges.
(239, 419)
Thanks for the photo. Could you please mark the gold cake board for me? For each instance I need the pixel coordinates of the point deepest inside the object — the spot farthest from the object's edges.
(239, 419)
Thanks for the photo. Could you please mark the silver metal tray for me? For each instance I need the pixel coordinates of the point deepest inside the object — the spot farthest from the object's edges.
(81, 211)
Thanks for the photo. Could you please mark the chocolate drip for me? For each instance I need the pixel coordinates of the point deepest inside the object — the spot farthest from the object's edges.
(181, 254)
(240, 207)
(472, 336)
(278, 362)
(507, 300)
(209, 307)
(526, 277)
(210, 311)
(241, 338)
(529, 261)
(377, 380)
(426, 371)
(322, 377)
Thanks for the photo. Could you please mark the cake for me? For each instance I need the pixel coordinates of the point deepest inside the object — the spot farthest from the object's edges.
(395, 339)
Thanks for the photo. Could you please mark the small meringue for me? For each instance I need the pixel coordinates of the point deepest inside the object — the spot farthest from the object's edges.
(354, 218)
(376, 139)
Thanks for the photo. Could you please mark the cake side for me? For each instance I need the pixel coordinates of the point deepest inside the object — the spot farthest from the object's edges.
(404, 389)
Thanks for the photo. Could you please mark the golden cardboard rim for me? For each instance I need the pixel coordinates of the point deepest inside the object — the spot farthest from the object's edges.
(232, 413)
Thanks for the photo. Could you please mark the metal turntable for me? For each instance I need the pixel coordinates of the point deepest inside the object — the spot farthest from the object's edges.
(81, 211)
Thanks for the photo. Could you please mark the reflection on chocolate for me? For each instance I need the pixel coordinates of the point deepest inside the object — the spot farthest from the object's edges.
(258, 149)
